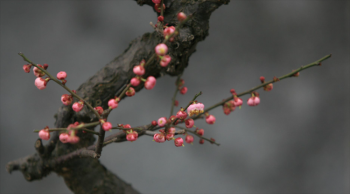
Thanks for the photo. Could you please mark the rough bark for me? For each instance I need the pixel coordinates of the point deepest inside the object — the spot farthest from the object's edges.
(77, 164)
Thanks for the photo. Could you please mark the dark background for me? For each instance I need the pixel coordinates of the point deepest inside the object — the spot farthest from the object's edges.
(295, 141)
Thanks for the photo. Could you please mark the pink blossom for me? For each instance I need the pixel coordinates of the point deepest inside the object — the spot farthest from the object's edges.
(178, 142)
(139, 70)
(135, 81)
(112, 103)
(253, 101)
(106, 126)
(210, 119)
(150, 82)
(66, 99)
(40, 83)
(37, 72)
(77, 106)
(165, 61)
(181, 114)
(44, 134)
(161, 121)
(161, 49)
(61, 75)
(181, 16)
(189, 139)
(64, 137)
(237, 101)
(195, 109)
(159, 137)
(189, 123)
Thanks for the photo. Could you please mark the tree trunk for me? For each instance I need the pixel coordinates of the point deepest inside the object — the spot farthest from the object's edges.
(80, 168)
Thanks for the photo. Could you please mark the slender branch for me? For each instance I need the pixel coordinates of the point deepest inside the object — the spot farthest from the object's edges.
(82, 127)
(62, 85)
(315, 63)
(187, 130)
(174, 96)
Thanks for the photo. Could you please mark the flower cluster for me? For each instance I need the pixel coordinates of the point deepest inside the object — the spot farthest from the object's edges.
(195, 109)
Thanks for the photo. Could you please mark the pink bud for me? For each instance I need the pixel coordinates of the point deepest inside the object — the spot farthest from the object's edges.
(268, 87)
(157, 7)
(181, 114)
(159, 137)
(26, 68)
(262, 79)
(61, 75)
(200, 132)
(183, 90)
(112, 103)
(156, 1)
(160, 18)
(64, 137)
(74, 139)
(45, 66)
(253, 101)
(161, 121)
(201, 141)
(139, 70)
(161, 49)
(180, 83)
(172, 130)
(189, 139)
(135, 81)
(150, 82)
(168, 31)
(44, 134)
(106, 126)
(132, 136)
(127, 126)
(256, 100)
(77, 106)
(130, 92)
(227, 111)
(237, 101)
(210, 119)
(40, 83)
(99, 110)
(178, 142)
(181, 16)
(154, 123)
(37, 72)
(165, 61)
(176, 103)
(169, 136)
(189, 123)
(66, 99)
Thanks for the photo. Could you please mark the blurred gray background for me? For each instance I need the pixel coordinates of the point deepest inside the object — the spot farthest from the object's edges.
(295, 141)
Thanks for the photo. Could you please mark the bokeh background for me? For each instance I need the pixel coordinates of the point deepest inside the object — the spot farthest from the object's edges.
(295, 141)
